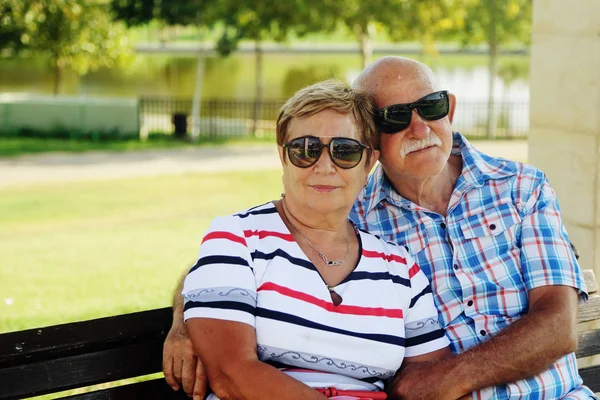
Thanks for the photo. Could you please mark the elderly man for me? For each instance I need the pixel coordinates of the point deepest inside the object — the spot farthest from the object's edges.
(488, 234)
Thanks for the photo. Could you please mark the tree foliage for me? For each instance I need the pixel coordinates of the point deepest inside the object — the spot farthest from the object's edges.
(79, 34)
(170, 12)
(502, 22)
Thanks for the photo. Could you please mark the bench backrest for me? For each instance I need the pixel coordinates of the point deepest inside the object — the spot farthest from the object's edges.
(76, 355)
(68, 356)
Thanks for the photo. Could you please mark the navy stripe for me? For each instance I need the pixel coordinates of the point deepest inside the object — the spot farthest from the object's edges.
(293, 319)
(223, 305)
(280, 253)
(377, 276)
(424, 338)
(425, 291)
(219, 260)
(272, 210)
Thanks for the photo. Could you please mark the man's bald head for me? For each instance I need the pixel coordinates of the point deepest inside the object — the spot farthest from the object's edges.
(393, 70)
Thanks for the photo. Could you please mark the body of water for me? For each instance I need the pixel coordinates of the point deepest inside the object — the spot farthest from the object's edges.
(156, 74)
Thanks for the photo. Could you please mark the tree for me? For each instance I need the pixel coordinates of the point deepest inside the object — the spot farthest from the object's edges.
(261, 20)
(200, 13)
(402, 20)
(78, 34)
(497, 24)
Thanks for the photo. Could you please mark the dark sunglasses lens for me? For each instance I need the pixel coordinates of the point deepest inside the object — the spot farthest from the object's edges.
(304, 152)
(395, 119)
(433, 107)
(346, 153)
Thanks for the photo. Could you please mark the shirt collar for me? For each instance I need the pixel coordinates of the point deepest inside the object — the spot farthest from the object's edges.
(477, 168)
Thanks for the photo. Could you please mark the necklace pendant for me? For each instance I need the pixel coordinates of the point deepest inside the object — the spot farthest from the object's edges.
(334, 263)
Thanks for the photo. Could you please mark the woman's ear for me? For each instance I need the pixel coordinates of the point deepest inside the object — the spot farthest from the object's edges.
(373, 160)
(280, 150)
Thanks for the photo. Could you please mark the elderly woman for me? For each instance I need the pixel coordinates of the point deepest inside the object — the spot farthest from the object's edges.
(289, 296)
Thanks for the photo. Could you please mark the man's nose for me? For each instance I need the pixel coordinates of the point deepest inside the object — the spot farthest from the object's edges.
(418, 127)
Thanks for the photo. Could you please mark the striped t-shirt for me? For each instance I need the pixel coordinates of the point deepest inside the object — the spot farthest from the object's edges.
(251, 270)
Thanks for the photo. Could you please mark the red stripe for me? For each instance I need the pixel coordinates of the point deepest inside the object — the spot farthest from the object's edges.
(224, 235)
(386, 257)
(264, 234)
(341, 309)
(413, 270)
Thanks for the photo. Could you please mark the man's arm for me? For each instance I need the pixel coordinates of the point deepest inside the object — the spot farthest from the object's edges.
(522, 350)
(179, 361)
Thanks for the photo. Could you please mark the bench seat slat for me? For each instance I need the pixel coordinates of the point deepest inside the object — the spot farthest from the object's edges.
(82, 370)
(588, 344)
(83, 336)
(590, 310)
(591, 377)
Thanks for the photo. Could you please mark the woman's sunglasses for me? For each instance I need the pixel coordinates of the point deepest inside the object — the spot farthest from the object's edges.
(395, 118)
(304, 151)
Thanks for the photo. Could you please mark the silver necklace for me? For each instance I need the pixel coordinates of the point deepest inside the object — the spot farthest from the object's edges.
(327, 261)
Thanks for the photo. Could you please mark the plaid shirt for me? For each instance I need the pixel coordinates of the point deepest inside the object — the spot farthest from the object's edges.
(503, 236)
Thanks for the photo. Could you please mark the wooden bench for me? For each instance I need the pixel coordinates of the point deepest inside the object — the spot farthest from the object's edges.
(80, 354)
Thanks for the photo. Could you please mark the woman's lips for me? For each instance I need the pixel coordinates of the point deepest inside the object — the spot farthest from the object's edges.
(324, 188)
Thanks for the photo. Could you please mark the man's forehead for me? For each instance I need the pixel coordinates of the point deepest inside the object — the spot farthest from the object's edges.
(400, 91)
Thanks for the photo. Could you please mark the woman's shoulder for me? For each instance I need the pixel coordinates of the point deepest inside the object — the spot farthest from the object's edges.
(260, 214)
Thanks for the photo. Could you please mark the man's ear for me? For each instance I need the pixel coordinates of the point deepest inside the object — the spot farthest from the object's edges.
(452, 99)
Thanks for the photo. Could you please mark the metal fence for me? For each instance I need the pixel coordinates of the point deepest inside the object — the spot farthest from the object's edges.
(218, 117)
(234, 117)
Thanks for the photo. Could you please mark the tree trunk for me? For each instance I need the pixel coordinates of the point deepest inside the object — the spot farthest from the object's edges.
(195, 134)
(57, 78)
(365, 35)
(492, 122)
(258, 93)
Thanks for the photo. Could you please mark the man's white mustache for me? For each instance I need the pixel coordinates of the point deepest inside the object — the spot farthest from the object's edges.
(415, 145)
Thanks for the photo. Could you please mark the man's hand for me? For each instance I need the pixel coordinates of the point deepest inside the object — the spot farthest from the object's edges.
(424, 380)
(180, 365)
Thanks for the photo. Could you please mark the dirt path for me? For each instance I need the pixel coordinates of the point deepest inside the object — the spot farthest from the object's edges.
(60, 167)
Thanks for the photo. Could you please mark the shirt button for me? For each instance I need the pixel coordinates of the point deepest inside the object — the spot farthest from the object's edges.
(482, 332)
(493, 226)
(443, 225)
(456, 267)
(470, 303)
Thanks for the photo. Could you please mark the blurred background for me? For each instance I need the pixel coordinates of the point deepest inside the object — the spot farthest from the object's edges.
(124, 88)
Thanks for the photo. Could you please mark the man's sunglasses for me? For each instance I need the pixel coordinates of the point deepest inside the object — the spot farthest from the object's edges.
(304, 151)
(395, 118)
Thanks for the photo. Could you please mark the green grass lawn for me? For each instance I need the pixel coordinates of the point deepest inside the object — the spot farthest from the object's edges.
(17, 146)
(74, 251)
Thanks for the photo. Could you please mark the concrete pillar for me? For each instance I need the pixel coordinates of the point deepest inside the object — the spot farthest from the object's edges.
(564, 139)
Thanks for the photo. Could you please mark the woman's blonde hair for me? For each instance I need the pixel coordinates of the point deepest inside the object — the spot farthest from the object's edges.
(331, 94)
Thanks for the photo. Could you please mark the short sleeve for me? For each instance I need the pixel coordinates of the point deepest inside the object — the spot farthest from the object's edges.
(222, 284)
(546, 254)
(424, 333)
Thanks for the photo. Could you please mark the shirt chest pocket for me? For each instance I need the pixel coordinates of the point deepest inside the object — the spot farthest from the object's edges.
(491, 245)
(491, 222)
(414, 240)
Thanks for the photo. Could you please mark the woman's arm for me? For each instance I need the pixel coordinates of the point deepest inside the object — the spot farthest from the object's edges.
(228, 352)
